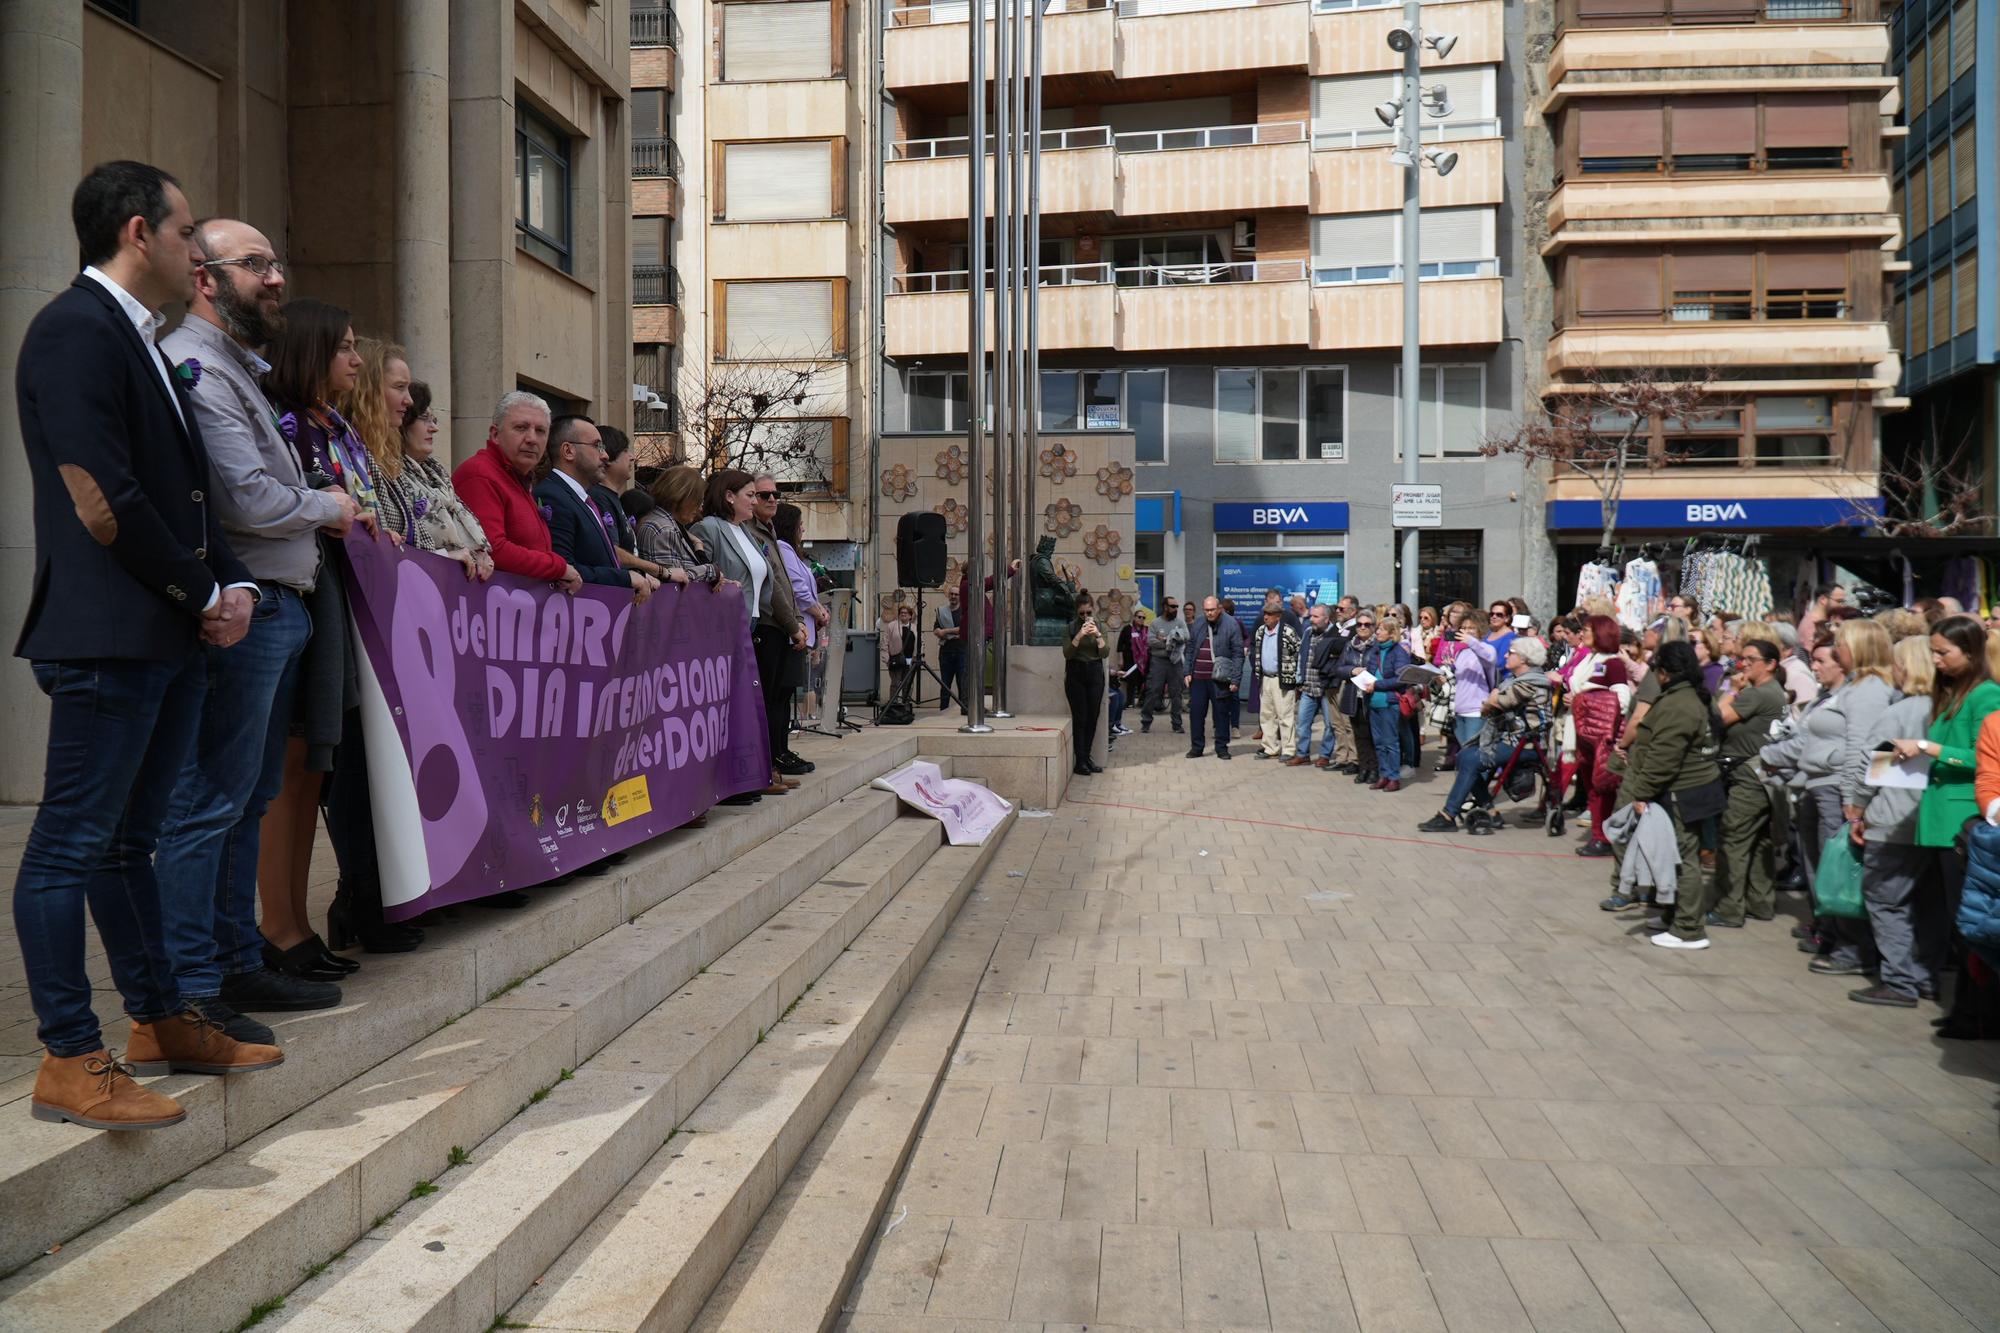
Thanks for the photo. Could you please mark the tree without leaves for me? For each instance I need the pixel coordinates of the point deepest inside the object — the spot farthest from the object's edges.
(1937, 496)
(747, 414)
(1604, 430)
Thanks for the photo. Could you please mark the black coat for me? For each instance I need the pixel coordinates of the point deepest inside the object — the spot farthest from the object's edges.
(578, 536)
(126, 551)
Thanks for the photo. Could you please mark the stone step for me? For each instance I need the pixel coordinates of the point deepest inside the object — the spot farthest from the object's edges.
(796, 1267)
(652, 1257)
(243, 1229)
(455, 1259)
(59, 1180)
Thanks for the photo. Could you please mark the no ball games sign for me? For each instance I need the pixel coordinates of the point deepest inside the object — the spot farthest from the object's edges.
(1416, 506)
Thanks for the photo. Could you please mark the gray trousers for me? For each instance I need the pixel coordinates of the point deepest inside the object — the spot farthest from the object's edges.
(1907, 914)
(1164, 685)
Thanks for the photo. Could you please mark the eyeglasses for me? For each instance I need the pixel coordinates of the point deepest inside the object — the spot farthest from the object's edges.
(428, 418)
(1364, 624)
(260, 265)
(766, 495)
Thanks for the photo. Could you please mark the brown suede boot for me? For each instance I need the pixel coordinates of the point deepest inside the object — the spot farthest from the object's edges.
(190, 1044)
(97, 1092)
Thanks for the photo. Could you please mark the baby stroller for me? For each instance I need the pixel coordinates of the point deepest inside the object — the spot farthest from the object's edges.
(1528, 770)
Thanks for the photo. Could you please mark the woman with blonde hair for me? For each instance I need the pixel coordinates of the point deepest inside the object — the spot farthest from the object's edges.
(1905, 912)
(374, 407)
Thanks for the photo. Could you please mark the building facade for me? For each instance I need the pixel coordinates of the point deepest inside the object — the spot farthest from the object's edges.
(453, 172)
(752, 262)
(1717, 185)
(1219, 278)
(1946, 315)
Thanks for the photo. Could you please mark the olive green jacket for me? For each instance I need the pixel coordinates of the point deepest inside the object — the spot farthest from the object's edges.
(1674, 749)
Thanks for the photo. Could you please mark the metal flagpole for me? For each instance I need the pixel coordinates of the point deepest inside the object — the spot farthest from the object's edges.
(1413, 179)
(1031, 336)
(1007, 277)
(975, 379)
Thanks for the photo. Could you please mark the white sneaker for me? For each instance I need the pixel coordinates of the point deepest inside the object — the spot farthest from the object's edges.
(1666, 939)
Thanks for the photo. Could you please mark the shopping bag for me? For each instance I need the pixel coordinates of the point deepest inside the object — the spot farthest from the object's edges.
(1837, 886)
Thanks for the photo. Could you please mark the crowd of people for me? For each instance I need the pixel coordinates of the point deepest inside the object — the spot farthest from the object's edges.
(187, 624)
(1715, 761)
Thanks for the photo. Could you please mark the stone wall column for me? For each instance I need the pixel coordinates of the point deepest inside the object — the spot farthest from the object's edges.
(482, 217)
(423, 199)
(41, 158)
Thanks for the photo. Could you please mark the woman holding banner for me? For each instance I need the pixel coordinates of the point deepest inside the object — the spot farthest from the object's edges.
(666, 535)
(730, 502)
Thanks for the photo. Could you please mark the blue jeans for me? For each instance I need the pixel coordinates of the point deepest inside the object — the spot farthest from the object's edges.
(1321, 708)
(1386, 726)
(1205, 697)
(1472, 772)
(208, 855)
(1117, 706)
(119, 733)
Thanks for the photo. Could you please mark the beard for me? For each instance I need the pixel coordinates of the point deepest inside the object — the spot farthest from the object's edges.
(250, 322)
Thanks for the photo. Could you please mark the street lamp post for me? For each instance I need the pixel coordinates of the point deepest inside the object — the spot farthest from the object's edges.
(975, 379)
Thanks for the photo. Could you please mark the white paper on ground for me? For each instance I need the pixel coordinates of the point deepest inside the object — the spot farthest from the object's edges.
(968, 811)
(1885, 770)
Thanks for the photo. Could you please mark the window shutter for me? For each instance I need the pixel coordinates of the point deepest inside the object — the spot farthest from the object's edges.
(778, 181)
(1941, 308)
(1964, 164)
(1940, 173)
(1726, 269)
(1355, 239)
(1455, 233)
(1805, 120)
(1965, 297)
(1616, 287)
(1938, 52)
(1628, 127)
(791, 39)
(1349, 101)
(1715, 125)
(1964, 24)
(1920, 200)
(1806, 269)
(770, 321)
(1920, 319)
(1917, 84)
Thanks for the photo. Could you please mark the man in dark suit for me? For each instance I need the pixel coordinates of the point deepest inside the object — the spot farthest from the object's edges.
(579, 529)
(132, 575)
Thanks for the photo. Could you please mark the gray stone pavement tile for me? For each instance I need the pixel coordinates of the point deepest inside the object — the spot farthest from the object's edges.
(1057, 1280)
(1389, 1196)
(1243, 1190)
(1471, 1289)
(1456, 1127)
(1172, 1188)
(1014, 1112)
(1895, 1295)
(1139, 1277)
(1553, 1287)
(1971, 1287)
(1722, 1291)
(1100, 1185)
(1643, 1296)
(1315, 1191)
(1386, 1282)
(1077, 1114)
(1222, 1281)
(978, 1269)
(1613, 1209)
(1462, 1198)
(949, 1177)
(1202, 1118)
(1536, 1201)
(1304, 1286)
(901, 1267)
(1810, 1295)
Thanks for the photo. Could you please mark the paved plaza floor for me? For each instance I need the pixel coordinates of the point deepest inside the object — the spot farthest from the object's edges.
(1253, 1054)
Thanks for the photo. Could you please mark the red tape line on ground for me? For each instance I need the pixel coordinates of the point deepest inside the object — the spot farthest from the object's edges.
(1482, 848)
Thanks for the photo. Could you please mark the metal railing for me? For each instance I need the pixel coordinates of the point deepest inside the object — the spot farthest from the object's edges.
(655, 284)
(1211, 136)
(1338, 275)
(1053, 141)
(657, 420)
(955, 11)
(654, 155)
(1132, 9)
(1730, 307)
(1385, 137)
(955, 280)
(1678, 13)
(654, 26)
(1343, 6)
(1772, 161)
(1205, 275)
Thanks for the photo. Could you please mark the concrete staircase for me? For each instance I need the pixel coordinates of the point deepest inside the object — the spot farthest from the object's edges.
(637, 1059)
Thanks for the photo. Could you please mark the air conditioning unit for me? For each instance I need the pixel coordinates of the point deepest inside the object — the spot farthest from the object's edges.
(1245, 239)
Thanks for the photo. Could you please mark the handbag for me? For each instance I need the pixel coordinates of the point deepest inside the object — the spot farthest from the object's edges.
(1837, 885)
(1597, 715)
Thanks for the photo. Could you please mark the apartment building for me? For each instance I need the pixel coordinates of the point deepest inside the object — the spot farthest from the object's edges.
(1718, 197)
(751, 253)
(1946, 315)
(451, 171)
(1219, 279)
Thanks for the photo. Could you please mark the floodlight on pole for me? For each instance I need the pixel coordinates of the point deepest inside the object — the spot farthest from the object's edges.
(1441, 43)
(1441, 160)
(1389, 110)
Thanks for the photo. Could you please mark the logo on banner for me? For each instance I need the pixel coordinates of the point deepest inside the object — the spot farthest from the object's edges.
(628, 800)
(1716, 513)
(1271, 517)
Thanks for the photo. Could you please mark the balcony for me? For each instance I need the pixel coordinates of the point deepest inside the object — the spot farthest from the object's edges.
(925, 313)
(656, 295)
(925, 179)
(1645, 200)
(1451, 312)
(1166, 38)
(653, 26)
(1778, 35)
(1353, 179)
(1574, 14)
(654, 156)
(1146, 307)
(1222, 168)
(1351, 39)
(1722, 343)
(925, 45)
(1175, 307)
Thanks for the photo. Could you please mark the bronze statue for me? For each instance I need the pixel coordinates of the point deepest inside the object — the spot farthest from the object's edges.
(1054, 595)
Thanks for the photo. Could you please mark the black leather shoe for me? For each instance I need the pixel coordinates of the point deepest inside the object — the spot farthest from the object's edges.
(1193, 753)
(265, 991)
(791, 765)
(743, 798)
(1078, 770)
(304, 961)
(1093, 765)
(234, 1024)
(1222, 754)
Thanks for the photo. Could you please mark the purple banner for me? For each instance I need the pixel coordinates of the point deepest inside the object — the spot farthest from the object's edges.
(540, 731)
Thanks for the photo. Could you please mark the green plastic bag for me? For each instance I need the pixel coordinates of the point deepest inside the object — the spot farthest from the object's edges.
(1837, 886)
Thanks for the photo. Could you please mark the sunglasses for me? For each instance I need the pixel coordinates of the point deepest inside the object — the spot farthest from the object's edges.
(1497, 615)
(765, 495)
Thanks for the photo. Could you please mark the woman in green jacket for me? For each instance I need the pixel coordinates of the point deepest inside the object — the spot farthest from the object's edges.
(1673, 764)
(1960, 700)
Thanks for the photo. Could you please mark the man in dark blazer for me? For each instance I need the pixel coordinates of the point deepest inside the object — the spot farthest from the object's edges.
(132, 575)
(579, 529)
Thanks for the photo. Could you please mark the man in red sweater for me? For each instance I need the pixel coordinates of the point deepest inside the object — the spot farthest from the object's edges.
(497, 486)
